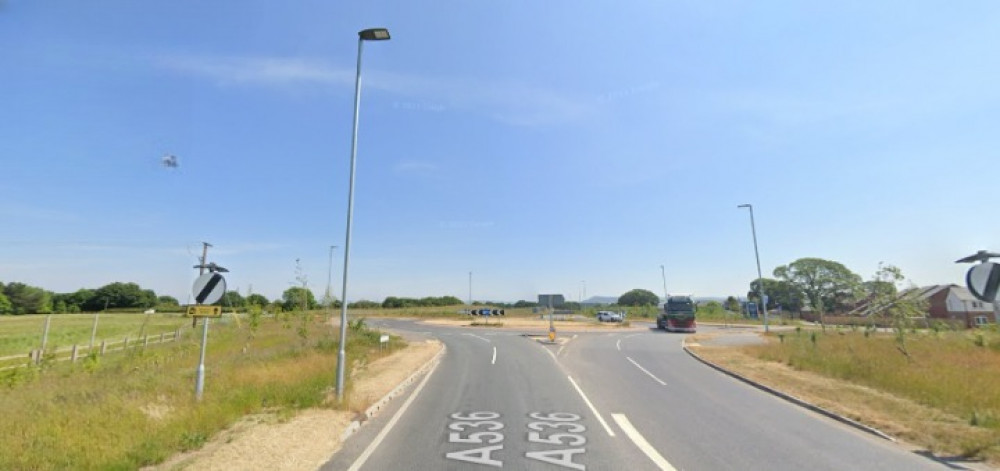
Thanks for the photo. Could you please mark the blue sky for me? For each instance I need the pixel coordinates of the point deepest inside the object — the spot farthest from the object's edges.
(544, 146)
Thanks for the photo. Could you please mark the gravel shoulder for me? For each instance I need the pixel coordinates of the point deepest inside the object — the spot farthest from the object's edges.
(306, 440)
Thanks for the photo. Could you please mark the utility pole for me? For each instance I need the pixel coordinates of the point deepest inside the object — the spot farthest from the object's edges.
(470, 289)
(204, 255)
(663, 271)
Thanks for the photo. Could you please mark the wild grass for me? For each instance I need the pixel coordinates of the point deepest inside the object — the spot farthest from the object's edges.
(21, 334)
(128, 410)
(957, 372)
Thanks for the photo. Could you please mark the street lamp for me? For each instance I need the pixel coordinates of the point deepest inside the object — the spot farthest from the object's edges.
(663, 272)
(760, 278)
(373, 34)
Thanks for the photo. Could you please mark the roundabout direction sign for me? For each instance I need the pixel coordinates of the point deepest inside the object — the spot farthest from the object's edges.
(983, 281)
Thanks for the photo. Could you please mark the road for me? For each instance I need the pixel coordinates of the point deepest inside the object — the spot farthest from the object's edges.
(625, 400)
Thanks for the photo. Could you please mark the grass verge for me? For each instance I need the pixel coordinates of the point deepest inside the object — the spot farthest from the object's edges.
(133, 409)
(938, 390)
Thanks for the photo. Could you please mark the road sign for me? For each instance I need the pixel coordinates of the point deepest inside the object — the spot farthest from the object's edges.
(204, 311)
(983, 280)
(383, 339)
(208, 288)
(484, 312)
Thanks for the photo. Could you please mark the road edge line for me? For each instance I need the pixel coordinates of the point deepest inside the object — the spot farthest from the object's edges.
(790, 398)
(374, 409)
(640, 441)
(592, 408)
(363, 458)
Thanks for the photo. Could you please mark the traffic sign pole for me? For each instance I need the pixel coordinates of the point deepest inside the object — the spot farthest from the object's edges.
(199, 382)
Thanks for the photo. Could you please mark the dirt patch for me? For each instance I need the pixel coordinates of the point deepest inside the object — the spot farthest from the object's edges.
(908, 421)
(308, 439)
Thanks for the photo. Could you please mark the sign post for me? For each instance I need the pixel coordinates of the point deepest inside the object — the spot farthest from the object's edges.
(207, 289)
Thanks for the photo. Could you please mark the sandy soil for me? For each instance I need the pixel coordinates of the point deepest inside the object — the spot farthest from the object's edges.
(308, 439)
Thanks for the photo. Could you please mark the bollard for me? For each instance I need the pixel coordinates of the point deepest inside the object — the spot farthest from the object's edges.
(73, 355)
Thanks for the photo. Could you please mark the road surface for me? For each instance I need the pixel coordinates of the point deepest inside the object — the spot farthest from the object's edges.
(623, 400)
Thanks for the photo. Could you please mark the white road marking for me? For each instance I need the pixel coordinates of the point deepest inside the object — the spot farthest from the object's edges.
(592, 408)
(630, 336)
(561, 347)
(618, 345)
(385, 431)
(480, 338)
(550, 353)
(494, 356)
(651, 375)
(641, 442)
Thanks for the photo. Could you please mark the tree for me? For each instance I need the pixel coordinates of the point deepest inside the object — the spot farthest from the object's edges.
(296, 298)
(364, 304)
(231, 299)
(828, 285)
(732, 304)
(5, 306)
(25, 299)
(257, 300)
(121, 295)
(885, 300)
(779, 293)
(167, 301)
(639, 297)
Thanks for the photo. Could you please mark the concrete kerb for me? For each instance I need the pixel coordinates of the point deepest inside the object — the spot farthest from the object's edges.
(381, 403)
(790, 398)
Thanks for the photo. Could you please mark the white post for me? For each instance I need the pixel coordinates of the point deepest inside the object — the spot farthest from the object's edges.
(199, 384)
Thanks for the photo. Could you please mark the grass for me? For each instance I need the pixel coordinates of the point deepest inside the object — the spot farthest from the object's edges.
(128, 410)
(955, 372)
(21, 334)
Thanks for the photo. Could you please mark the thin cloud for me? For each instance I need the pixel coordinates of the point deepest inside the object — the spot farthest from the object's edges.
(414, 167)
(508, 102)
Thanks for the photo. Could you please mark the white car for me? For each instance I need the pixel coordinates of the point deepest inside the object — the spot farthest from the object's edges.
(610, 316)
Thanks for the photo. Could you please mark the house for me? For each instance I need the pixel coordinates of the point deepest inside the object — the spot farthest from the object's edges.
(955, 303)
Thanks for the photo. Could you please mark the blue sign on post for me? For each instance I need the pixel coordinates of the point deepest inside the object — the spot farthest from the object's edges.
(752, 310)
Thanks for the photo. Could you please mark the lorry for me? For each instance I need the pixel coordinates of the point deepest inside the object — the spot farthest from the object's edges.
(678, 315)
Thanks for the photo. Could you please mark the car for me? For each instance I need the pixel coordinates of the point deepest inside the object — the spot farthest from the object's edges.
(610, 316)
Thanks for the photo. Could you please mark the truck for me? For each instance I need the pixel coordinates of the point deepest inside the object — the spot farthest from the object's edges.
(678, 315)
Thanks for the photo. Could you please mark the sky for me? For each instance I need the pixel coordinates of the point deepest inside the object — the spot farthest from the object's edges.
(544, 147)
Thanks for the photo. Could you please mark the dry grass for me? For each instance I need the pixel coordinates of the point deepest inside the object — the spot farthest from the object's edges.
(945, 396)
(133, 409)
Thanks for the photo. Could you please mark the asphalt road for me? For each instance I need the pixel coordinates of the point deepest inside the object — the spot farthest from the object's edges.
(625, 400)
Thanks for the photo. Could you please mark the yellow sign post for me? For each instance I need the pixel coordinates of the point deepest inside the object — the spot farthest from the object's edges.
(204, 311)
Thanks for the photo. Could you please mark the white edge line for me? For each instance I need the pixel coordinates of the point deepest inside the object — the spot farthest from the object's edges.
(494, 361)
(553, 355)
(641, 442)
(358, 463)
(658, 380)
(592, 408)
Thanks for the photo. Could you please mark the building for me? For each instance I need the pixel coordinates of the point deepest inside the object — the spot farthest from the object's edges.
(955, 303)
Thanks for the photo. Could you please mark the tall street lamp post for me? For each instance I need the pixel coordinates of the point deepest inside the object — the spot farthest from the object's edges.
(373, 34)
(760, 278)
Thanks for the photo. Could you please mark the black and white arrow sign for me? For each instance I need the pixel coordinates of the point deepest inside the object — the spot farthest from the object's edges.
(983, 281)
(208, 288)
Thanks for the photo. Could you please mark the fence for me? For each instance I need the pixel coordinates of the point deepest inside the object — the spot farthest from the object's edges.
(75, 352)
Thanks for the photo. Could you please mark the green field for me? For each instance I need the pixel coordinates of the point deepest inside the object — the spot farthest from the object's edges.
(134, 408)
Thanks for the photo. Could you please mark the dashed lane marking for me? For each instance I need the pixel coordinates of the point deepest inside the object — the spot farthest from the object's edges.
(592, 408)
(651, 375)
(640, 441)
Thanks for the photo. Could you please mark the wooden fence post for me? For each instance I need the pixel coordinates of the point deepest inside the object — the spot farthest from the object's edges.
(145, 341)
(125, 347)
(161, 336)
(73, 355)
(104, 347)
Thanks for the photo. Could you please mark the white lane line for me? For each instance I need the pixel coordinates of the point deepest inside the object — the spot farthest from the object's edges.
(592, 408)
(651, 375)
(641, 442)
(560, 349)
(358, 463)
(480, 338)
(618, 345)
(494, 356)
